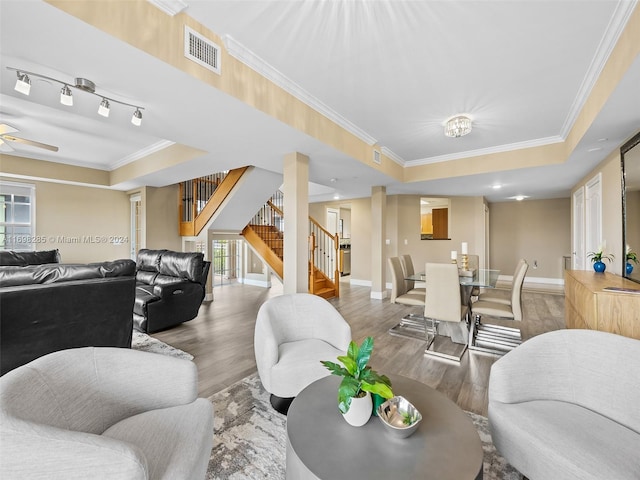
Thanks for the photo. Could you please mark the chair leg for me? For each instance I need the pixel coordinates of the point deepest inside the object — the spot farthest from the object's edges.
(281, 405)
(494, 339)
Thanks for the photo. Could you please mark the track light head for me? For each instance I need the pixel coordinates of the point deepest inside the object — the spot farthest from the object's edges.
(136, 119)
(23, 84)
(66, 98)
(104, 107)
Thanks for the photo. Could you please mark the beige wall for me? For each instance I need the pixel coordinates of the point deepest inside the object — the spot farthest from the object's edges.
(536, 230)
(403, 224)
(81, 221)
(611, 208)
(162, 218)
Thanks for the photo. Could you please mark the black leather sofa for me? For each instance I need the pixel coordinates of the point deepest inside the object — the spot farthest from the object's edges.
(51, 307)
(170, 287)
(14, 258)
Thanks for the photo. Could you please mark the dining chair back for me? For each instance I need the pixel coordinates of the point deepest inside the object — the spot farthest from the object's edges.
(407, 268)
(496, 296)
(399, 292)
(444, 305)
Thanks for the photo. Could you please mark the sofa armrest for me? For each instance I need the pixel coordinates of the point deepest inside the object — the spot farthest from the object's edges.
(89, 389)
(168, 291)
(31, 450)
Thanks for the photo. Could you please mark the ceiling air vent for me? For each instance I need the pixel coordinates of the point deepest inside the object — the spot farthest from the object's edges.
(376, 157)
(201, 50)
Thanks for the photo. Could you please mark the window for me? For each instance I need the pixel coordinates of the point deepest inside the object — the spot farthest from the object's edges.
(17, 216)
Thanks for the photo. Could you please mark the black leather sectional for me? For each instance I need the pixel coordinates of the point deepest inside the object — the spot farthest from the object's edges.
(170, 287)
(50, 307)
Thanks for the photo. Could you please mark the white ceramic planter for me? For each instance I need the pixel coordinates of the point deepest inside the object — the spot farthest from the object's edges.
(359, 411)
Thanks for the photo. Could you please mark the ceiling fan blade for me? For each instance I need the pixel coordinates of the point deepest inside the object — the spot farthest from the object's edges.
(4, 146)
(4, 128)
(33, 143)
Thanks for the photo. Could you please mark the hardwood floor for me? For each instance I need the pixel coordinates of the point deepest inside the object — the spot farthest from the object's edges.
(221, 340)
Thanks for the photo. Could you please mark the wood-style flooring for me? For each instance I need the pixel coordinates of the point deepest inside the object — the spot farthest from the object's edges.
(221, 340)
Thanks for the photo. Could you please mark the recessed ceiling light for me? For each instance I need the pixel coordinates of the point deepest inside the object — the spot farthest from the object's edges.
(520, 197)
(496, 186)
(603, 139)
(336, 197)
(594, 149)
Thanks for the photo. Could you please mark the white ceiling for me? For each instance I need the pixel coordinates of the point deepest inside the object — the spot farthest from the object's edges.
(394, 70)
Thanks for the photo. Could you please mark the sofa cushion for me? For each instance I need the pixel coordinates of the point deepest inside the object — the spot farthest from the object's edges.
(186, 265)
(570, 442)
(148, 260)
(144, 296)
(54, 273)
(299, 365)
(9, 257)
(175, 440)
(146, 277)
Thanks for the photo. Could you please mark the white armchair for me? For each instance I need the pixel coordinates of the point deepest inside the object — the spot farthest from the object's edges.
(293, 333)
(104, 413)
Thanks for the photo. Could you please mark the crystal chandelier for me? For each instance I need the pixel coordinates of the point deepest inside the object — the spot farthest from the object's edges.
(457, 126)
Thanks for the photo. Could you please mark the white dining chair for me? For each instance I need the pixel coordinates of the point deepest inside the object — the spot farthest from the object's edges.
(444, 305)
(493, 338)
(407, 268)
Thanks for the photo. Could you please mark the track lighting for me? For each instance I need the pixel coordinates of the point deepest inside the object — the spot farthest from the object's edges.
(136, 119)
(66, 98)
(104, 109)
(23, 85)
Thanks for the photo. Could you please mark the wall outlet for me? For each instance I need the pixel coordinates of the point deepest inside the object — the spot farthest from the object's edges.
(406, 242)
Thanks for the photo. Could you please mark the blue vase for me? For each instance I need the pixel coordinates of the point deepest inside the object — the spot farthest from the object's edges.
(629, 268)
(599, 267)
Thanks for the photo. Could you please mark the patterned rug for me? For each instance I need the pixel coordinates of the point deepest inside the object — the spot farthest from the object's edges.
(142, 341)
(250, 442)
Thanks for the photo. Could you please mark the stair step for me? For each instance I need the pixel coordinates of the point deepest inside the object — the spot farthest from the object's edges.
(326, 292)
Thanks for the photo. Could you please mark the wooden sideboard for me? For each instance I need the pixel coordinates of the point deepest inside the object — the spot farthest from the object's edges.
(588, 305)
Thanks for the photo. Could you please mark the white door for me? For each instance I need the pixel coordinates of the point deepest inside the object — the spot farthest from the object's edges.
(593, 213)
(577, 247)
(332, 220)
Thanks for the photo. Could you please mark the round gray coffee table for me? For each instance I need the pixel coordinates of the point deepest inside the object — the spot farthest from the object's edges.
(322, 445)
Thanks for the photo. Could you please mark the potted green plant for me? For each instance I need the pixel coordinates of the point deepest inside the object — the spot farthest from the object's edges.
(359, 381)
(631, 256)
(597, 257)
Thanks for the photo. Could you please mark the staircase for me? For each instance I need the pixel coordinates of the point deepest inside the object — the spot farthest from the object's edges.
(201, 198)
(265, 235)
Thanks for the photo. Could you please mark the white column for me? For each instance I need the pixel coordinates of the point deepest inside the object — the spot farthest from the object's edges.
(378, 244)
(296, 223)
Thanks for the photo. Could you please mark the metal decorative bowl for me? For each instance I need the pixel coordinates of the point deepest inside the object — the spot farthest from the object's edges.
(399, 417)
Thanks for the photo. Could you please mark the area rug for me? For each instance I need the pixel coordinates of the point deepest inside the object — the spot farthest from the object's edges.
(249, 442)
(142, 341)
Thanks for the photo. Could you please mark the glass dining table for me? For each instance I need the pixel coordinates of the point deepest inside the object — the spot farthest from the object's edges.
(415, 325)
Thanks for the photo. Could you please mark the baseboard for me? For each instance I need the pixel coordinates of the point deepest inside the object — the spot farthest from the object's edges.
(257, 283)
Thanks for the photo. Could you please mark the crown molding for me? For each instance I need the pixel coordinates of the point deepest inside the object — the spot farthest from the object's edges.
(486, 151)
(393, 156)
(153, 148)
(253, 61)
(608, 42)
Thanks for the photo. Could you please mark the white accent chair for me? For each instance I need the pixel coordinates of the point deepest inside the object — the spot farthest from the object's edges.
(565, 405)
(101, 412)
(293, 333)
(444, 305)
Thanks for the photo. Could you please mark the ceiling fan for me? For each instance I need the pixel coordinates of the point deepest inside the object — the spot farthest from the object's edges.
(6, 136)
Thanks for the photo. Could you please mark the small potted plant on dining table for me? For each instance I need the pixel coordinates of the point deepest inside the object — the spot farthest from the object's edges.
(359, 381)
(597, 258)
